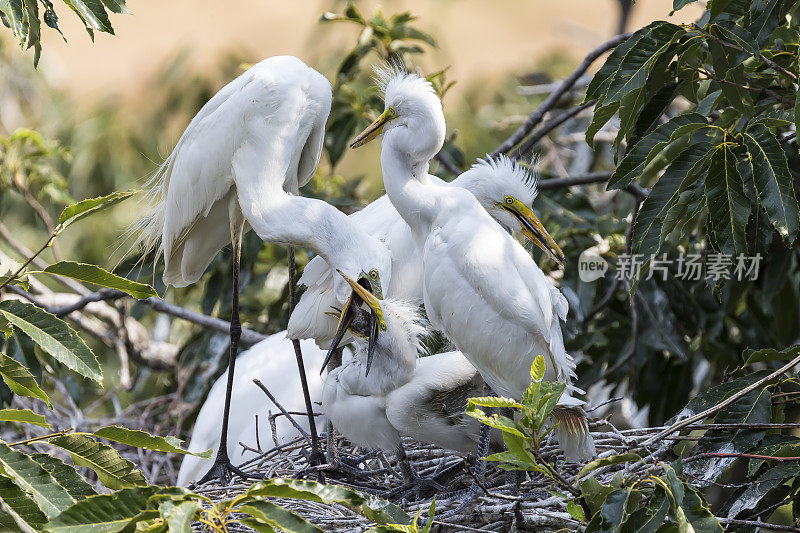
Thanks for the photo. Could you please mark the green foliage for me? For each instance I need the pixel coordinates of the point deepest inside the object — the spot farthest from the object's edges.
(24, 18)
(23, 415)
(20, 380)
(98, 276)
(113, 471)
(142, 439)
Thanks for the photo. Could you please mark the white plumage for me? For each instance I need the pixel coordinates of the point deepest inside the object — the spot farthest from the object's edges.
(271, 361)
(480, 286)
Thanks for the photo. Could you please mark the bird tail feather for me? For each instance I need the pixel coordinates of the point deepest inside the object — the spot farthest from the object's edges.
(573, 434)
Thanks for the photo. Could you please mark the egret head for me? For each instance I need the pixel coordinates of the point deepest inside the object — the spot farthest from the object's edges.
(412, 115)
(506, 189)
(370, 264)
(392, 326)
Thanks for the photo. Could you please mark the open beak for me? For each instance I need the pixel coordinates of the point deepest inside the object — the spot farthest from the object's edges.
(376, 322)
(374, 129)
(533, 229)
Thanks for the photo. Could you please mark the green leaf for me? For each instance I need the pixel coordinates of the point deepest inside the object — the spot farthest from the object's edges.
(728, 205)
(510, 461)
(594, 493)
(697, 512)
(29, 475)
(179, 516)
(637, 157)
(614, 510)
(84, 208)
(114, 471)
(598, 87)
(537, 369)
(34, 29)
(98, 276)
(773, 182)
(770, 354)
(142, 439)
(613, 460)
(496, 421)
(757, 489)
(375, 509)
(65, 475)
(20, 380)
(277, 517)
(54, 336)
(104, 513)
(647, 519)
(495, 401)
(92, 13)
(22, 509)
(23, 415)
(17, 18)
(117, 6)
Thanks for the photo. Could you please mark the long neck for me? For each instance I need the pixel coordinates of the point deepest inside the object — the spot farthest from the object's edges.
(307, 222)
(386, 374)
(409, 187)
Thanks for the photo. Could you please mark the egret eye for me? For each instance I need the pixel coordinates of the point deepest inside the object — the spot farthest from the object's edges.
(383, 327)
(373, 274)
(391, 111)
(509, 200)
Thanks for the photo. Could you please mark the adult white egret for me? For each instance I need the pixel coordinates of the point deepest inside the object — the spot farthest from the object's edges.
(490, 181)
(374, 401)
(271, 362)
(480, 286)
(238, 165)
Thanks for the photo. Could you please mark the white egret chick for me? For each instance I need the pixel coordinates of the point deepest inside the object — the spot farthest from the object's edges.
(271, 362)
(374, 401)
(491, 181)
(238, 165)
(480, 286)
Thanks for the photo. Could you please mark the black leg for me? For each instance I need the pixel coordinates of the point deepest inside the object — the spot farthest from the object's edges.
(222, 468)
(317, 457)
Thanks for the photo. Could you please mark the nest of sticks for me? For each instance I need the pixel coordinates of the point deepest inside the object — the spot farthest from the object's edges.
(534, 506)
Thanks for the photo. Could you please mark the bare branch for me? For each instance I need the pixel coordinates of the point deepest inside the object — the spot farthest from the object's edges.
(581, 179)
(556, 95)
(550, 126)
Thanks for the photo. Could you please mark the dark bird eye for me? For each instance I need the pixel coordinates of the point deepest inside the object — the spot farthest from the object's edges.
(509, 200)
(373, 274)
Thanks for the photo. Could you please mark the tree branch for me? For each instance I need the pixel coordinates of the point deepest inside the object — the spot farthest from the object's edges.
(550, 126)
(581, 179)
(556, 95)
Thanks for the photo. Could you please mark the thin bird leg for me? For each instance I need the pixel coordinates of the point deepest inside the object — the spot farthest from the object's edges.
(513, 477)
(414, 483)
(316, 457)
(222, 467)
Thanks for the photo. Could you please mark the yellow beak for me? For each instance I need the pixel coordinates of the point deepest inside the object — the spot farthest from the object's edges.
(368, 298)
(533, 229)
(374, 129)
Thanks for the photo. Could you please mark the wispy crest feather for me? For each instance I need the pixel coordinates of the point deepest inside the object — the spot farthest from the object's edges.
(516, 170)
(392, 77)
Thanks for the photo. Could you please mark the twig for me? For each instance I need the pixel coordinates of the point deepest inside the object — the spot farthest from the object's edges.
(604, 301)
(99, 296)
(581, 179)
(16, 274)
(42, 437)
(722, 405)
(737, 455)
(556, 95)
(757, 523)
(448, 164)
(550, 126)
(601, 404)
(284, 411)
(755, 88)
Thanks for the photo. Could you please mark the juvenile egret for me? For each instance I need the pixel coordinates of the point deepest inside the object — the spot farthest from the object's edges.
(490, 181)
(401, 395)
(239, 165)
(269, 361)
(480, 286)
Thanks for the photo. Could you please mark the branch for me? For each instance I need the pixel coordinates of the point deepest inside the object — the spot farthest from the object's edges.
(757, 523)
(581, 179)
(286, 413)
(550, 126)
(552, 100)
(16, 274)
(738, 455)
(448, 164)
(722, 405)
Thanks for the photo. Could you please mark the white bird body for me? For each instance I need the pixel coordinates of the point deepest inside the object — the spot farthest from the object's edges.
(272, 361)
(480, 286)
(423, 399)
(250, 148)
(488, 181)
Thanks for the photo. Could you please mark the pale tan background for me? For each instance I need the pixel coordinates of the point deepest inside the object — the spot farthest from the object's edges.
(477, 37)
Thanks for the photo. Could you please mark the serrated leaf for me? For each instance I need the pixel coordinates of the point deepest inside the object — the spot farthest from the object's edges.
(773, 182)
(65, 475)
(635, 160)
(728, 205)
(598, 87)
(84, 208)
(14, 10)
(54, 336)
(23, 415)
(770, 354)
(29, 475)
(22, 510)
(538, 369)
(495, 401)
(142, 439)
(179, 516)
(20, 380)
(98, 276)
(114, 471)
(92, 13)
(613, 460)
(277, 517)
(375, 509)
(496, 421)
(104, 513)
(117, 6)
